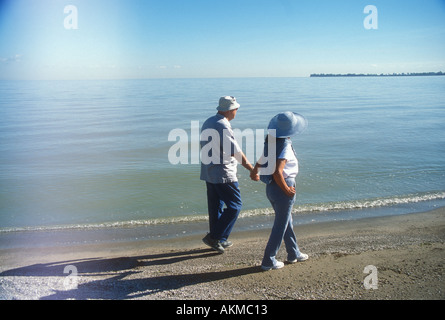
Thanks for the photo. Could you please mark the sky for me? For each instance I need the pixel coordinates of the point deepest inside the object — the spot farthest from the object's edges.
(130, 39)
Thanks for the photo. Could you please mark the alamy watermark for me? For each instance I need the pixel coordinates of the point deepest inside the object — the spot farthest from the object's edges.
(371, 280)
(371, 20)
(216, 149)
(70, 21)
(71, 280)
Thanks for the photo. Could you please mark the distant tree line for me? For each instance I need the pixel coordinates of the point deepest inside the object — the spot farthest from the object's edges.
(411, 74)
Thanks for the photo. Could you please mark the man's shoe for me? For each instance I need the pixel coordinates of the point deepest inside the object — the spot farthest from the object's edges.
(214, 244)
(278, 265)
(226, 244)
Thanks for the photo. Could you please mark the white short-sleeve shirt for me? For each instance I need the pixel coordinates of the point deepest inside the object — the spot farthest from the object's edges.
(291, 168)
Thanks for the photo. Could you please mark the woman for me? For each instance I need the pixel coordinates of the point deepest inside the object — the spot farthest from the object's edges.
(280, 188)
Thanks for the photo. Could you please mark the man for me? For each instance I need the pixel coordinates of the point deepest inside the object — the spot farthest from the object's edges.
(220, 154)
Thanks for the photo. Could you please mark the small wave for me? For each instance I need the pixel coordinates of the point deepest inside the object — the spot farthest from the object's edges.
(369, 203)
(351, 205)
(115, 224)
(298, 209)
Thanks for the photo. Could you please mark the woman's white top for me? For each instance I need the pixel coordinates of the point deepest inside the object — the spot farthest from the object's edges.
(291, 168)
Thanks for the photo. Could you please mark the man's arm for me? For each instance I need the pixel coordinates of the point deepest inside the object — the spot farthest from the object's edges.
(241, 158)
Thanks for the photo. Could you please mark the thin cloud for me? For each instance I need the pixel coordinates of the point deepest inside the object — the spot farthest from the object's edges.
(15, 58)
(170, 67)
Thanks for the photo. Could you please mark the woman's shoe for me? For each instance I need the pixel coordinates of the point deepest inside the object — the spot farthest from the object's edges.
(300, 258)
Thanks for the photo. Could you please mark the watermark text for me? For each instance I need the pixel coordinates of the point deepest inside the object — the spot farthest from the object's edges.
(371, 20)
(208, 147)
(371, 280)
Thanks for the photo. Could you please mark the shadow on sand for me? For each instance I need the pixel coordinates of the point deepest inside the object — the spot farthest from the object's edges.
(118, 286)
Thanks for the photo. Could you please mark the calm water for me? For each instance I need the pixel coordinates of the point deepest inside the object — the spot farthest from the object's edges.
(82, 153)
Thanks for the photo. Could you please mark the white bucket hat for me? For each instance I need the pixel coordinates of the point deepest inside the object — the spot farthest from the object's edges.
(227, 103)
(287, 124)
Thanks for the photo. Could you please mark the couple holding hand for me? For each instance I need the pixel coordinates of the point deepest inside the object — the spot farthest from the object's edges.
(223, 189)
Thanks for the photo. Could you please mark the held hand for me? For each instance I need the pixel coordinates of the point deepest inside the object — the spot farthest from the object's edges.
(254, 176)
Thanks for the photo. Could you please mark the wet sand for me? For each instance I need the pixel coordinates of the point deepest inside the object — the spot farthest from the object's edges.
(407, 251)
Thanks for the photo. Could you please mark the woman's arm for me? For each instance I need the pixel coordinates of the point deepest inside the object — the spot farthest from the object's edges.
(279, 179)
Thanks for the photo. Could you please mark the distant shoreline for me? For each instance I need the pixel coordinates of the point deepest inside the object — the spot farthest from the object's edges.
(412, 74)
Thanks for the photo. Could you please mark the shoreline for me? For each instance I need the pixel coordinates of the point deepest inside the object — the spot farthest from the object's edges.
(407, 250)
(115, 233)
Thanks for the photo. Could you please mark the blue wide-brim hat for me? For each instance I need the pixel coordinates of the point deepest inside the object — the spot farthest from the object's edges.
(287, 124)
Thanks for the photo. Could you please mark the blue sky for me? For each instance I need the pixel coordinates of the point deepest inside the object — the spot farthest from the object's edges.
(215, 38)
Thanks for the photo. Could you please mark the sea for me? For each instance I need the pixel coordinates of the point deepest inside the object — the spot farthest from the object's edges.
(97, 160)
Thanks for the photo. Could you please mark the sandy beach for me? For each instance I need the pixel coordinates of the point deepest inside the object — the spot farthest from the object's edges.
(407, 251)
